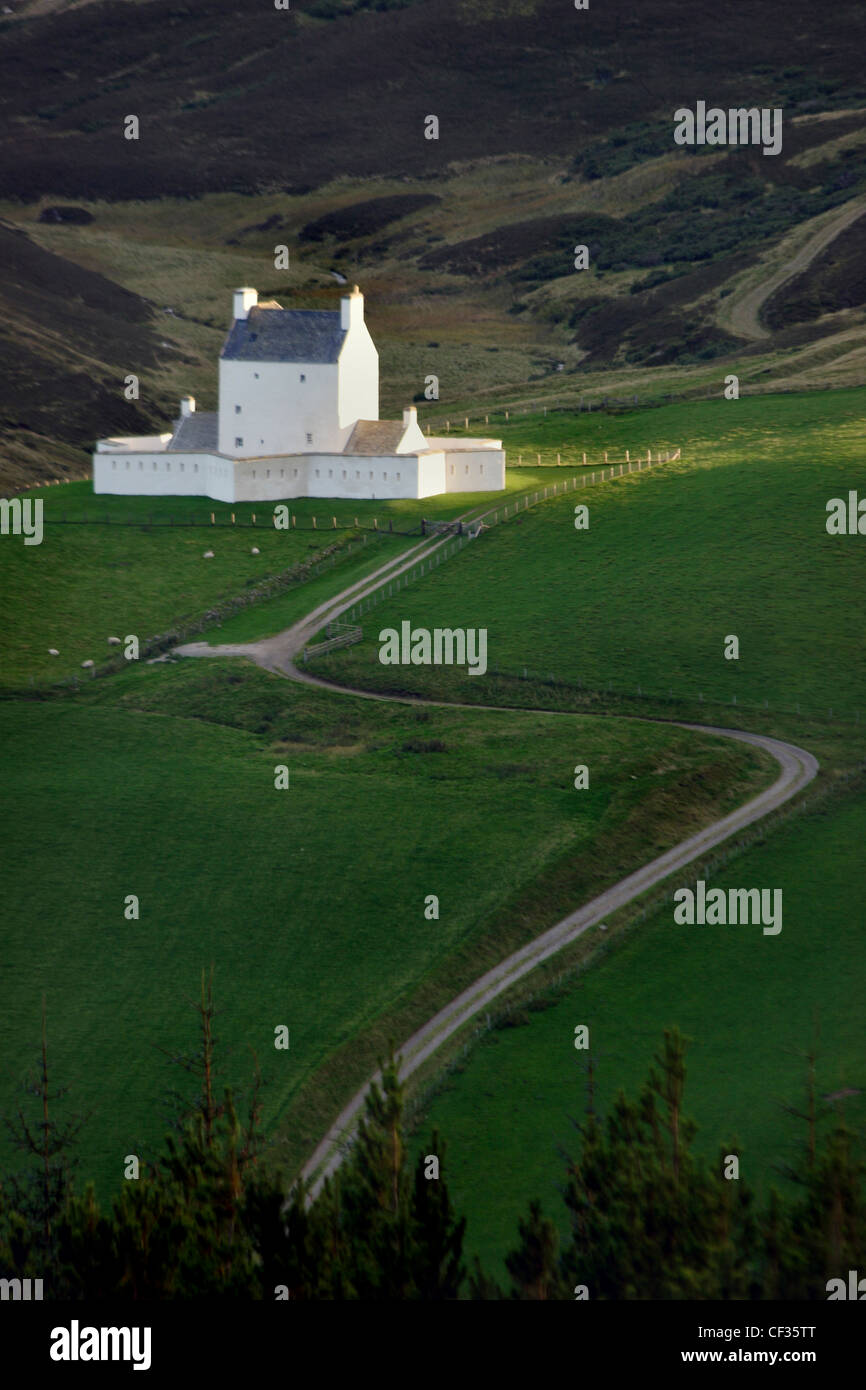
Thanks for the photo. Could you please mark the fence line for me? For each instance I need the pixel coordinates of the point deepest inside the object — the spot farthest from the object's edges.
(832, 714)
(504, 512)
(339, 635)
(221, 523)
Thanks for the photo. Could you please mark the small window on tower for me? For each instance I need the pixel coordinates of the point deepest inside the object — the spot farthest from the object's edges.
(309, 439)
(237, 410)
(238, 442)
(303, 376)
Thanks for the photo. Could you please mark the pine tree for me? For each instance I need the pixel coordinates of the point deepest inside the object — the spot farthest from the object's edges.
(534, 1264)
(437, 1234)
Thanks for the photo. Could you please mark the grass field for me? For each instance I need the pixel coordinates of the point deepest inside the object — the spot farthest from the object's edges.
(730, 540)
(309, 902)
(88, 580)
(749, 1003)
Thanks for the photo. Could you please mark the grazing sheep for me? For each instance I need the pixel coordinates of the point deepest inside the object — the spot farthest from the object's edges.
(87, 663)
(114, 641)
(52, 651)
(255, 550)
(208, 555)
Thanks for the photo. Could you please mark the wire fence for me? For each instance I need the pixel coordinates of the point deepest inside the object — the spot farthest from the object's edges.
(256, 520)
(647, 695)
(504, 512)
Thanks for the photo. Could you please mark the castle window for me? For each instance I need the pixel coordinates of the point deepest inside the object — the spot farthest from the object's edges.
(296, 472)
(309, 439)
(181, 468)
(467, 468)
(385, 476)
(238, 442)
(330, 472)
(344, 472)
(281, 473)
(114, 463)
(398, 477)
(357, 474)
(127, 463)
(195, 468)
(140, 463)
(237, 410)
(452, 469)
(256, 375)
(167, 466)
(155, 465)
(317, 472)
(267, 473)
(371, 475)
(481, 468)
(303, 376)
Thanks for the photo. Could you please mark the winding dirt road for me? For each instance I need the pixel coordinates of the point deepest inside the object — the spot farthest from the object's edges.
(797, 769)
(740, 314)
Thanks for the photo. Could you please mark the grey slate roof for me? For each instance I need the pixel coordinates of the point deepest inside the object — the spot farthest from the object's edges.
(285, 335)
(375, 437)
(196, 431)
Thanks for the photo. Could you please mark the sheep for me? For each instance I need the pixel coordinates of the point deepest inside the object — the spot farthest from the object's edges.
(52, 651)
(208, 555)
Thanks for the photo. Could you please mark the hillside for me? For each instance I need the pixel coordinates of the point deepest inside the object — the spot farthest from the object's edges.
(555, 129)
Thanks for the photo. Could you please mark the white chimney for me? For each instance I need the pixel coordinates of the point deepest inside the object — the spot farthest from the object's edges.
(244, 300)
(351, 309)
(187, 406)
(410, 417)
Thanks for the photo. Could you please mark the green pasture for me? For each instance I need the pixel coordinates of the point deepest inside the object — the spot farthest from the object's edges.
(308, 901)
(729, 541)
(752, 1004)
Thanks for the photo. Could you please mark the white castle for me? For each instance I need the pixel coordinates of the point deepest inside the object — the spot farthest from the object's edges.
(298, 417)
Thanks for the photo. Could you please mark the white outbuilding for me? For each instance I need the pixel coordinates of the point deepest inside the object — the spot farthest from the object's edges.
(298, 417)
